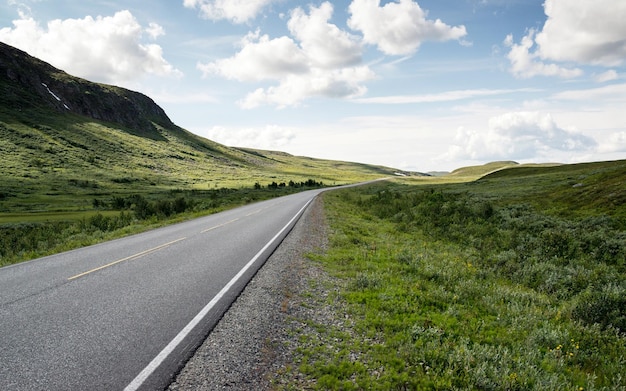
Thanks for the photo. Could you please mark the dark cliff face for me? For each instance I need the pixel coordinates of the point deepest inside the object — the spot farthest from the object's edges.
(27, 83)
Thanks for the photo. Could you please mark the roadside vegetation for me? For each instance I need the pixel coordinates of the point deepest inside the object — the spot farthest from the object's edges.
(516, 281)
(116, 216)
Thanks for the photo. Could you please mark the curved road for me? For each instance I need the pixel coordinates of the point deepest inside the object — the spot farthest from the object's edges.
(126, 314)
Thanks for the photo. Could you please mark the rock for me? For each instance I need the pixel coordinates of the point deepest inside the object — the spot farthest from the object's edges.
(27, 83)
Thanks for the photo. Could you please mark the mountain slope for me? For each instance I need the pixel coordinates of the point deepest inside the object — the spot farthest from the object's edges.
(64, 139)
(31, 86)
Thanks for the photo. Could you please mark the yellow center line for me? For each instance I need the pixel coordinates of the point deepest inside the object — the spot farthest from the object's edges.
(263, 208)
(218, 226)
(126, 259)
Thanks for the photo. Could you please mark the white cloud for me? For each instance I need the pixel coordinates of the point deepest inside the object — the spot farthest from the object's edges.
(237, 11)
(322, 62)
(398, 28)
(606, 76)
(105, 49)
(518, 136)
(154, 30)
(586, 32)
(324, 43)
(260, 58)
(447, 96)
(575, 31)
(270, 137)
(525, 64)
(615, 143)
(604, 94)
(337, 83)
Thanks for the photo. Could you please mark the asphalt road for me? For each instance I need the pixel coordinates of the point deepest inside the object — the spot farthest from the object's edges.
(126, 314)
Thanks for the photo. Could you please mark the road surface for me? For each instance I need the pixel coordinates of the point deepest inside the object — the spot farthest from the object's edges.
(126, 314)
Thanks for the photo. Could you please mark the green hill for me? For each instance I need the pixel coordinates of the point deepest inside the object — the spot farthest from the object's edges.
(65, 141)
(478, 171)
(582, 189)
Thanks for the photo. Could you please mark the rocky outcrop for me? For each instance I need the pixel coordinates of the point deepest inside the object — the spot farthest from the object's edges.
(27, 83)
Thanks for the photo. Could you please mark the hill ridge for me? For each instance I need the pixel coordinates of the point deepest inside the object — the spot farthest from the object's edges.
(28, 84)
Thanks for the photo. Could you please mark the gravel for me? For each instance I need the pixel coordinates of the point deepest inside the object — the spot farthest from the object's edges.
(254, 346)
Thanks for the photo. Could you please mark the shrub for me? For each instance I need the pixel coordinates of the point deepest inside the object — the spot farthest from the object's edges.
(606, 307)
(143, 208)
(99, 222)
(163, 207)
(366, 281)
(180, 205)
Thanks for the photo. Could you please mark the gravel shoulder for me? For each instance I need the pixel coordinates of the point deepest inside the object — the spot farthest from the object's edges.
(254, 345)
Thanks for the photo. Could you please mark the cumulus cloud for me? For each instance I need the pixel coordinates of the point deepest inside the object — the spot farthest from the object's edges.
(260, 58)
(398, 28)
(324, 43)
(576, 31)
(527, 64)
(154, 30)
(320, 60)
(518, 136)
(293, 88)
(587, 32)
(237, 11)
(105, 49)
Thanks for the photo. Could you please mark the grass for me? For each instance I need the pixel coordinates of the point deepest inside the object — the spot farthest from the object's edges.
(61, 162)
(512, 282)
(61, 175)
(28, 235)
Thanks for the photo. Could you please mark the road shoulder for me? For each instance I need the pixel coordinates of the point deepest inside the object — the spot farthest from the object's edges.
(253, 346)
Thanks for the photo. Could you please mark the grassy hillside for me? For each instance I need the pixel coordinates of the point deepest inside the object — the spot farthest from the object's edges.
(478, 171)
(474, 172)
(83, 162)
(65, 141)
(66, 162)
(575, 190)
(516, 281)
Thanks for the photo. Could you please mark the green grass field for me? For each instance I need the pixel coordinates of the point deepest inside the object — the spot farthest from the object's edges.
(516, 281)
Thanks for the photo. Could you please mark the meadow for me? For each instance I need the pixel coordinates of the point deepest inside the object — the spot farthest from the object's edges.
(515, 281)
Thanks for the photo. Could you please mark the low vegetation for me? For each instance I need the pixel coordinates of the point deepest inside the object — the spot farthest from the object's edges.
(115, 216)
(516, 281)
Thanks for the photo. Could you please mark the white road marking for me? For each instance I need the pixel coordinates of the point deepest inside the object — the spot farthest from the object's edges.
(158, 360)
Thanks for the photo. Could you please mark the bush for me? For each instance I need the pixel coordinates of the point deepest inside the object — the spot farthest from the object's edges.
(143, 208)
(606, 307)
(17, 241)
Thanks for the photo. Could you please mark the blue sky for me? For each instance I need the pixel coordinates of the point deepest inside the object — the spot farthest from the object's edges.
(414, 84)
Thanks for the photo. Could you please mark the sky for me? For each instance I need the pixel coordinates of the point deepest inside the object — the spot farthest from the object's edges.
(420, 85)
